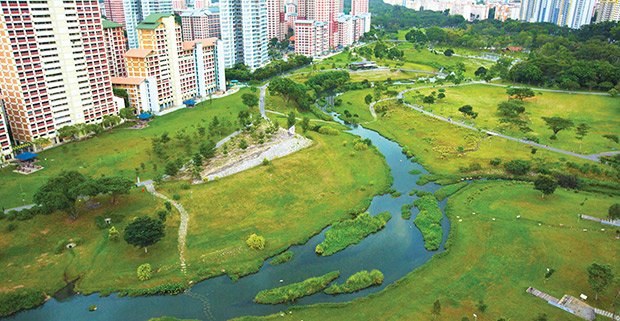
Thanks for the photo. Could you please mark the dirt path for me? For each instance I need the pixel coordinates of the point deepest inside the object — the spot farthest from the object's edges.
(182, 227)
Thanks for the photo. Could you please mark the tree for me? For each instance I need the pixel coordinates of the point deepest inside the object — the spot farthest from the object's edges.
(144, 232)
(207, 149)
(430, 99)
(556, 124)
(599, 277)
(249, 100)
(448, 52)
(127, 113)
(436, 308)
(60, 193)
(110, 121)
(581, 131)
(291, 120)
(368, 99)
(244, 118)
(69, 131)
(480, 72)
(171, 168)
(256, 242)
(546, 184)
(380, 50)
(144, 272)
(441, 96)
(468, 110)
(614, 212)
(520, 93)
(305, 124)
(197, 159)
(416, 36)
(517, 167)
(41, 142)
(113, 234)
(115, 185)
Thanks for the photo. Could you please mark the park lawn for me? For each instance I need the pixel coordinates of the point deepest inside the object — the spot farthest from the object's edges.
(286, 202)
(599, 112)
(383, 75)
(495, 260)
(354, 102)
(120, 151)
(278, 104)
(435, 143)
(29, 260)
(426, 57)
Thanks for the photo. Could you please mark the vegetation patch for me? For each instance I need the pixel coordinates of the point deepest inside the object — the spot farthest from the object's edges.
(356, 282)
(429, 221)
(405, 211)
(446, 191)
(15, 301)
(352, 231)
(282, 258)
(292, 292)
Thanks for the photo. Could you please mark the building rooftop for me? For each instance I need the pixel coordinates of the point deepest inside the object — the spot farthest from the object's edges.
(200, 12)
(138, 52)
(107, 24)
(188, 45)
(127, 80)
(152, 21)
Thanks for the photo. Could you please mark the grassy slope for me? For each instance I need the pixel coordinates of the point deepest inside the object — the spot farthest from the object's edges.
(427, 58)
(601, 115)
(472, 269)
(303, 192)
(117, 152)
(28, 259)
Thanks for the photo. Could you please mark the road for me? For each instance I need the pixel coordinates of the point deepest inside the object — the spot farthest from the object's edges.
(592, 157)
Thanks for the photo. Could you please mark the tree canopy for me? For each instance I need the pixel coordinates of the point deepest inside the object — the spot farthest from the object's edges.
(144, 231)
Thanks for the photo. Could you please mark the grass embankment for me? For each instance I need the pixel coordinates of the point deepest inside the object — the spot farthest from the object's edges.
(286, 202)
(123, 151)
(496, 260)
(454, 151)
(35, 261)
(351, 231)
(169, 319)
(292, 292)
(282, 258)
(448, 190)
(598, 112)
(357, 282)
(429, 221)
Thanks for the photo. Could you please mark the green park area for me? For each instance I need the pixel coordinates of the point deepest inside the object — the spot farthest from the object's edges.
(503, 238)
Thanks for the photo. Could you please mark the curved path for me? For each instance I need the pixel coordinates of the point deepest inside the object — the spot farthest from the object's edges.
(182, 227)
(592, 157)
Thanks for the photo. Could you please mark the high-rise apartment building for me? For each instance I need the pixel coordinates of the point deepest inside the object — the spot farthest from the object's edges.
(53, 66)
(116, 46)
(275, 19)
(179, 5)
(311, 38)
(608, 10)
(358, 7)
(199, 4)
(244, 32)
(5, 142)
(137, 10)
(201, 23)
(114, 11)
(344, 37)
(165, 71)
(571, 13)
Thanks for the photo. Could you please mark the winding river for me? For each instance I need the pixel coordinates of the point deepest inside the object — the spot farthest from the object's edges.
(396, 250)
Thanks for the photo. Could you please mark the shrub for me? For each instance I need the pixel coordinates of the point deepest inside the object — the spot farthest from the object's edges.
(294, 291)
(176, 197)
(356, 282)
(168, 206)
(255, 242)
(405, 211)
(162, 214)
(359, 146)
(495, 161)
(568, 181)
(60, 246)
(327, 130)
(266, 162)
(185, 186)
(429, 221)
(144, 272)
(351, 231)
(11, 227)
(282, 258)
(113, 234)
(11, 302)
(517, 167)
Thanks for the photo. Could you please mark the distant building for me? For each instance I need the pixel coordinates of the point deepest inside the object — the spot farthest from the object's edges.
(116, 46)
(200, 4)
(504, 12)
(275, 19)
(244, 32)
(608, 10)
(54, 66)
(358, 7)
(468, 9)
(142, 92)
(137, 10)
(201, 23)
(179, 5)
(114, 11)
(346, 28)
(311, 38)
(571, 13)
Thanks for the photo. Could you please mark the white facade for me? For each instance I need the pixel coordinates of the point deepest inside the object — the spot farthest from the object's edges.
(608, 10)
(571, 13)
(137, 10)
(244, 32)
(311, 38)
(345, 34)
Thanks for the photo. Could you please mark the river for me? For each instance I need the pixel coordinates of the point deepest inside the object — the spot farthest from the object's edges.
(396, 250)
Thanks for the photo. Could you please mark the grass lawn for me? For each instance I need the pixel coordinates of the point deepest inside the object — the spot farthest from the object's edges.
(425, 57)
(599, 112)
(30, 261)
(277, 103)
(496, 260)
(286, 202)
(120, 151)
(354, 102)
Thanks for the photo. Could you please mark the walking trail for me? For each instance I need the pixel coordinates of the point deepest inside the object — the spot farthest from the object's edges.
(592, 157)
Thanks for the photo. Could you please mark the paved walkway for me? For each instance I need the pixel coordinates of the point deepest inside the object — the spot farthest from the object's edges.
(261, 104)
(593, 157)
(182, 227)
(227, 138)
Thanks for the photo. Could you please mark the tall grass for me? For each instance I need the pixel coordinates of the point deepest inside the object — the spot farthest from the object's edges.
(356, 282)
(429, 221)
(292, 292)
(352, 231)
(282, 258)
(448, 190)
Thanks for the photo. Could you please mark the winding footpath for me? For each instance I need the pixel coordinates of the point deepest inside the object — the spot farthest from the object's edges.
(592, 157)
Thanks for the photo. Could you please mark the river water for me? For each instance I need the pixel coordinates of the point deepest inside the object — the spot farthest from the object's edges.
(396, 250)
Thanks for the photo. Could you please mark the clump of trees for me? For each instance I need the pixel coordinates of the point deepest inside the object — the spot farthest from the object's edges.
(468, 110)
(241, 72)
(291, 91)
(546, 184)
(144, 232)
(328, 82)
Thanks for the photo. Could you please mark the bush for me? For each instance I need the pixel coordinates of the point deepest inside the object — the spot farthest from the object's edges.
(351, 231)
(144, 272)
(282, 258)
(255, 242)
(495, 161)
(11, 227)
(429, 221)
(113, 234)
(517, 167)
(356, 282)
(326, 130)
(568, 181)
(185, 186)
(294, 291)
(176, 197)
(162, 215)
(11, 302)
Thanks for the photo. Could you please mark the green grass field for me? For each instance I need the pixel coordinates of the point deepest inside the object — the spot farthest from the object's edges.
(286, 202)
(494, 256)
(427, 58)
(599, 112)
(120, 151)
